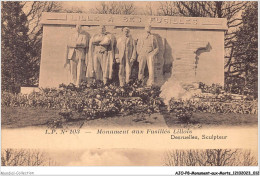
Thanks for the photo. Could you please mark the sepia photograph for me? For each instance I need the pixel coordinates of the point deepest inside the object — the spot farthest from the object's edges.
(129, 157)
(129, 83)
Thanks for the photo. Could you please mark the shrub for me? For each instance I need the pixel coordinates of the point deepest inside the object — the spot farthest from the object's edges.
(215, 106)
(91, 101)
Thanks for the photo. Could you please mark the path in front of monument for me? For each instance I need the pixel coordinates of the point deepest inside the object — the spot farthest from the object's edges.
(39, 117)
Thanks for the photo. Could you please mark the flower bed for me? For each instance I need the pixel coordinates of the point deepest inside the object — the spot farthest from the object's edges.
(100, 101)
(91, 101)
(215, 105)
(213, 99)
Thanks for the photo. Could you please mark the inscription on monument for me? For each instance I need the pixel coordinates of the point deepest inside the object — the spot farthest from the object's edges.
(165, 20)
(135, 20)
(71, 17)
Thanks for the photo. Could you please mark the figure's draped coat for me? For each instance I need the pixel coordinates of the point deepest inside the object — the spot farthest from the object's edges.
(90, 73)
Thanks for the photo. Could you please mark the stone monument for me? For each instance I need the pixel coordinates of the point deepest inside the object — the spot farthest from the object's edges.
(75, 60)
(101, 55)
(125, 56)
(190, 49)
(147, 49)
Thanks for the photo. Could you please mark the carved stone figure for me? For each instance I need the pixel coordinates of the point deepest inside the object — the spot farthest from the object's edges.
(77, 45)
(147, 49)
(101, 55)
(125, 56)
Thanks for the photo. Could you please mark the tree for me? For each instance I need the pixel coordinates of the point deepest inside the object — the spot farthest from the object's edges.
(210, 157)
(115, 7)
(21, 42)
(148, 10)
(15, 47)
(33, 11)
(243, 67)
(21, 157)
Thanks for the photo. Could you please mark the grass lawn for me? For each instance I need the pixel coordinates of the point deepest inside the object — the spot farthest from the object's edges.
(33, 117)
(25, 117)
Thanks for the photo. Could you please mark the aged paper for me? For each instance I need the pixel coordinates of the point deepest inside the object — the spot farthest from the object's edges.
(129, 84)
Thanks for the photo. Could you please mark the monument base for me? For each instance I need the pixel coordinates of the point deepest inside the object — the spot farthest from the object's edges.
(28, 90)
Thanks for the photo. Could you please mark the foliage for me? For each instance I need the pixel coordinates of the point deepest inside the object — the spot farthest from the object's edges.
(33, 11)
(91, 101)
(212, 99)
(214, 88)
(184, 114)
(210, 157)
(115, 7)
(21, 157)
(15, 47)
(21, 43)
(214, 105)
(244, 68)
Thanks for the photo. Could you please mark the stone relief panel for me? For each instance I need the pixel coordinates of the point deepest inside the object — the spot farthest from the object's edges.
(88, 65)
(175, 57)
(77, 47)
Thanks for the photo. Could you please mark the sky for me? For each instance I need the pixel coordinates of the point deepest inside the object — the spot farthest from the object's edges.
(108, 157)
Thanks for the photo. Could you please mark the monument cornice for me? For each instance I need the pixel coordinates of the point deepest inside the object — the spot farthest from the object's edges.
(134, 20)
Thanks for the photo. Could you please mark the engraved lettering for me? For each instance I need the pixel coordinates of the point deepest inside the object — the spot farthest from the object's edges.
(125, 19)
(83, 18)
(72, 18)
(158, 20)
(89, 18)
(131, 19)
(96, 18)
(181, 21)
(174, 21)
(166, 20)
(163, 21)
(68, 17)
(151, 20)
(188, 21)
(111, 19)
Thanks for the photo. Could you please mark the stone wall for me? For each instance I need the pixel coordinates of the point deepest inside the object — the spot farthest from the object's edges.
(191, 49)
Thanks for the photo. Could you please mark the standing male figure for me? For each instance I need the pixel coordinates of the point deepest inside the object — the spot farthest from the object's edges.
(101, 55)
(147, 49)
(77, 45)
(125, 56)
